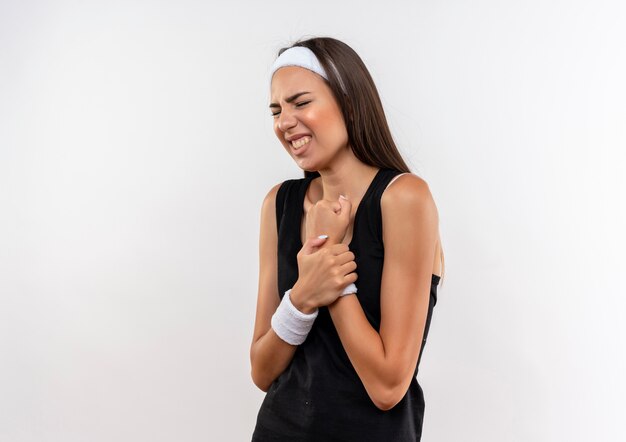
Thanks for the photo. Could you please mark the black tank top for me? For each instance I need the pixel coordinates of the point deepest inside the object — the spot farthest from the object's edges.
(319, 396)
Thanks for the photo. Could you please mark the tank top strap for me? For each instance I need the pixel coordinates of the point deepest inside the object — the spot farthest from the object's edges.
(289, 211)
(383, 179)
(289, 202)
(371, 200)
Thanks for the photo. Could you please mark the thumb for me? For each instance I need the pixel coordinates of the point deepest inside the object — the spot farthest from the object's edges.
(312, 244)
(346, 207)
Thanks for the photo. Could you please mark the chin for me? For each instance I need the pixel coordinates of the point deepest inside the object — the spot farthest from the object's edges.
(311, 164)
(306, 166)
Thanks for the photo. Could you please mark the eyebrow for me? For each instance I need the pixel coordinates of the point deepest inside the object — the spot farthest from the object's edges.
(290, 99)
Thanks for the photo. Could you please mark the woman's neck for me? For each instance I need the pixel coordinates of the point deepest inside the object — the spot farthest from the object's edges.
(349, 180)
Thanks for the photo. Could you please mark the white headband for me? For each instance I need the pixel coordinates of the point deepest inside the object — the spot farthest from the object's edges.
(304, 58)
(299, 56)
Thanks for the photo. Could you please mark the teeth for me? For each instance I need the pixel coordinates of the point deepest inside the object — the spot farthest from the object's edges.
(297, 144)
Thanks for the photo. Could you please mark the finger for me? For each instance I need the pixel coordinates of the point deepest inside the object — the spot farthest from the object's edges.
(345, 257)
(351, 277)
(338, 249)
(329, 205)
(313, 243)
(348, 267)
(346, 208)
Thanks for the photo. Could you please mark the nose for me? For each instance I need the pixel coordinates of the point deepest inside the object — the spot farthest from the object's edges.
(286, 120)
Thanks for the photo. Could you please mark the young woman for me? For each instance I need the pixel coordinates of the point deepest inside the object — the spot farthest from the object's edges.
(350, 260)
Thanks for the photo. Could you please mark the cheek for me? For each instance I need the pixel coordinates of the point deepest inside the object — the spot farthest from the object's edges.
(336, 129)
(332, 119)
(329, 122)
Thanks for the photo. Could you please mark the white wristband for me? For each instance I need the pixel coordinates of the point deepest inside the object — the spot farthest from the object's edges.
(290, 324)
(351, 289)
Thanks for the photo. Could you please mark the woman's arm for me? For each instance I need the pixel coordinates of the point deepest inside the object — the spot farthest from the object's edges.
(269, 355)
(385, 361)
(324, 270)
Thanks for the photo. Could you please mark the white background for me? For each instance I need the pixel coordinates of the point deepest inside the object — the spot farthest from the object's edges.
(135, 151)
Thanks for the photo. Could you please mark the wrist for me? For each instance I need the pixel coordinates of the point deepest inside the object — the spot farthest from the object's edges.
(290, 324)
(329, 243)
(330, 240)
(300, 302)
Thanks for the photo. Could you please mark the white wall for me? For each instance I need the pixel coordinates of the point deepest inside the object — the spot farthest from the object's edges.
(136, 148)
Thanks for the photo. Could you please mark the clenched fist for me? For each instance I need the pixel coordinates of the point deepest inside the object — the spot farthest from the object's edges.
(330, 218)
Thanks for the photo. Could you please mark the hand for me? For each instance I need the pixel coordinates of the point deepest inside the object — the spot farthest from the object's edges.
(323, 273)
(330, 218)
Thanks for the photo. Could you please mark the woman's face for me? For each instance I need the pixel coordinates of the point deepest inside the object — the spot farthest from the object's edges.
(307, 118)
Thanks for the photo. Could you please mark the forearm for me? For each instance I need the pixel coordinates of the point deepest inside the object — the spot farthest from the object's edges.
(383, 378)
(293, 318)
(269, 357)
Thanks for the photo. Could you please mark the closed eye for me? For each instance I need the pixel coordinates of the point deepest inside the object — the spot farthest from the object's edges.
(299, 104)
(290, 99)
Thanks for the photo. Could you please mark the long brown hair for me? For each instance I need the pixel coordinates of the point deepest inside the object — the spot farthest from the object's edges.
(352, 85)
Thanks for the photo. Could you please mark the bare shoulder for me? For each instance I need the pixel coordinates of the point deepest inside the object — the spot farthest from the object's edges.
(268, 216)
(408, 191)
(269, 202)
(410, 220)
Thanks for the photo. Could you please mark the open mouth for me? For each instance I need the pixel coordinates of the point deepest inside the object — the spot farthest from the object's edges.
(297, 144)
